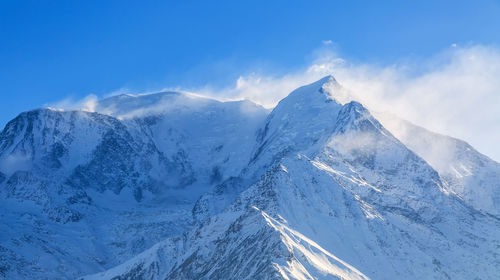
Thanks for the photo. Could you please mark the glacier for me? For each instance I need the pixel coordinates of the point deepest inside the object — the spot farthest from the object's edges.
(174, 185)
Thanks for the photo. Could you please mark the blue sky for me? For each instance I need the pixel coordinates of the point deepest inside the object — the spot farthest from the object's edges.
(52, 50)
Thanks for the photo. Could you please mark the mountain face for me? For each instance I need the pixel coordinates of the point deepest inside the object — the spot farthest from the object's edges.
(177, 186)
(82, 192)
(465, 172)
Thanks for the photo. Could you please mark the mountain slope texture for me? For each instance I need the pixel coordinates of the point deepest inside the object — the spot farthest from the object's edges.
(173, 185)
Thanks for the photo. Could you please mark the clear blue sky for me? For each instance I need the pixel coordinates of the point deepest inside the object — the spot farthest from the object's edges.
(50, 50)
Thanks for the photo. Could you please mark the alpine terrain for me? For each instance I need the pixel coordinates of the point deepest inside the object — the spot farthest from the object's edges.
(173, 185)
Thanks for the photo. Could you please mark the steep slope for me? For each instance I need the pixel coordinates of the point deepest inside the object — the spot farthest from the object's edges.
(215, 137)
(79, 180)
(85, 191)
(469, 174)
(303, 221)
(297, 123)
(316, 189)
(340, 198)
(243, 242)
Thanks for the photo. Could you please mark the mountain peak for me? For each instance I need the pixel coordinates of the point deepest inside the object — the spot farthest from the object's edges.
(327, 79)
(324, 90)
(325, 82)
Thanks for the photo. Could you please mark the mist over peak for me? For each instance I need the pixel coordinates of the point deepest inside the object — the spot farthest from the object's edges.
(174, 185)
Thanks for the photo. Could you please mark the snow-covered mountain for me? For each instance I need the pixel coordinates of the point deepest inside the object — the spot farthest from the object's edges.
(178, 186)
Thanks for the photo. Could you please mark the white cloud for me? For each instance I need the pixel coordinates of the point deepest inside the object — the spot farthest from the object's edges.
(456, 92)
(88, 103)
(268, 90)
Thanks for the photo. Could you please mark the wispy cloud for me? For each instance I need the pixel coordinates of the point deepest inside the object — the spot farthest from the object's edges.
(88, 103)
(455, 92)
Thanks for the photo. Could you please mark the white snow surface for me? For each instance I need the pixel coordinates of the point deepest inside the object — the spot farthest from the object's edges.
(177, 186)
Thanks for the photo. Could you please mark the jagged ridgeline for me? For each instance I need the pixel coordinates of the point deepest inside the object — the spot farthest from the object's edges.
(173, 185)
